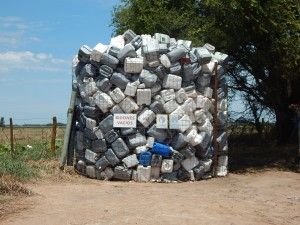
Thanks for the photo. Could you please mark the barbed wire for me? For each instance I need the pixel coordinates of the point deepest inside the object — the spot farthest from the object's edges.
(26, 134)
(33, 121)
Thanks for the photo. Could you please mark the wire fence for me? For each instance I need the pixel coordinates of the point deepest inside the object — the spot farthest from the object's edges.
(48, 137)
(29, 134)
(244, 140)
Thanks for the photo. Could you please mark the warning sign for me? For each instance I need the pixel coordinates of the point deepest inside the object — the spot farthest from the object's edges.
(161, 121)
(125, 120)
(174, 122)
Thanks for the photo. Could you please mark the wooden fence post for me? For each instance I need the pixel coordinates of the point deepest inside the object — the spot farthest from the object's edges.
(53, 135)
(12, 152)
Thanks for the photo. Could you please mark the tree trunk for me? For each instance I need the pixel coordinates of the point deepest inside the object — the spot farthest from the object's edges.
(284, 115)
(284, 125)
(258, 128)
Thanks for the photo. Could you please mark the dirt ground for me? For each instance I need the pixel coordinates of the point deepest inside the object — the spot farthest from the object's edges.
(270, 197)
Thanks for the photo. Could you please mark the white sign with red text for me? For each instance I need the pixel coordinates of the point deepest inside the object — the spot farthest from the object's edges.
(125, 120)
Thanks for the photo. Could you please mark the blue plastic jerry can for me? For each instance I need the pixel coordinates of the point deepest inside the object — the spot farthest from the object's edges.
(145, 158)
(161, 149)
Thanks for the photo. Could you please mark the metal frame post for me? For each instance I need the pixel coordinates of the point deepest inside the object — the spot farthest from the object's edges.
(216, 147)
(68, 130)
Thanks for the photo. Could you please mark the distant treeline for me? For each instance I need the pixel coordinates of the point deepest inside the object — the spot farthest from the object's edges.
(40, 125)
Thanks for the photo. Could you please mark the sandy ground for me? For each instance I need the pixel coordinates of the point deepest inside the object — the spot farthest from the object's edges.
(271, 197)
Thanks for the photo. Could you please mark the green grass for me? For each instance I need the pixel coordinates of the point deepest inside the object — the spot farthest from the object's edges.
(17, 167)
(23, 164)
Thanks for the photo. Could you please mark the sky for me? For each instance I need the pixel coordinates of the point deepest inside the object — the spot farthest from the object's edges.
(38, 40)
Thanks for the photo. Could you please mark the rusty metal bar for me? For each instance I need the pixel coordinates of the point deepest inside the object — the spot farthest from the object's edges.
(216, 147)
(298, 120)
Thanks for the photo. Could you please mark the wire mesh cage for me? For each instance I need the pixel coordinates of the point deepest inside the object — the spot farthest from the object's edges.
(150, 94)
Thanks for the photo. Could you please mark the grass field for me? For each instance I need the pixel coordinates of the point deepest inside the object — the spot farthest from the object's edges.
(24, 134)
(31, 154)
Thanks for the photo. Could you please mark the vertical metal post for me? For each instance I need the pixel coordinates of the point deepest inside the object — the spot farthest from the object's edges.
(298, 120)
(216, 147)
(12, 151)
(68, 130)
(70, 154)
(53, 135)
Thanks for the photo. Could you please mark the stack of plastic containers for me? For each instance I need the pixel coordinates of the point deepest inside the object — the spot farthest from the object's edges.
(163, 89)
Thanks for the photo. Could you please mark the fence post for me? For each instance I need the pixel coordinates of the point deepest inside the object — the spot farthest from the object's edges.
(216, 147)
(296, 107)
(53, 135)
(12, 152)
(68, 130)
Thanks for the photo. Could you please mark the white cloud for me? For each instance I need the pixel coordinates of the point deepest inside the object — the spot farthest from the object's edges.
(18, 23)
(13, 39)
(43, 56)
(14, 31)
(35, 39)
(11, 21)
(26, 60)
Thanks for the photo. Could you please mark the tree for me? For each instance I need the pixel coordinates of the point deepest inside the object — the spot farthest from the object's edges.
(176, 18)
(261, 37)
(2, 122)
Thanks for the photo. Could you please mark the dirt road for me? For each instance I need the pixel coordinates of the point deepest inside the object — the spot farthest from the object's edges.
(271, 197)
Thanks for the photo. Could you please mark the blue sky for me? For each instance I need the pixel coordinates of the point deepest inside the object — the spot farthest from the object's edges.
(38, 40)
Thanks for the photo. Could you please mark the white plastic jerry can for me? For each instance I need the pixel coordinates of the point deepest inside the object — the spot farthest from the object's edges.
(143, 173)
(133, 65)
(167, 166)
(98, 51)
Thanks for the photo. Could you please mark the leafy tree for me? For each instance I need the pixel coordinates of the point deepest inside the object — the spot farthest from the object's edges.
(176, 18)
(261, 36)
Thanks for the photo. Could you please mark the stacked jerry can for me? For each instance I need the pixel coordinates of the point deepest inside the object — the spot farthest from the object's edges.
(145, 109)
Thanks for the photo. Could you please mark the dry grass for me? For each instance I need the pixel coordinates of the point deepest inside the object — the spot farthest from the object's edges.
(30, 134)
(49, 170)
(14, 193)
(11, 186)
(11, 195)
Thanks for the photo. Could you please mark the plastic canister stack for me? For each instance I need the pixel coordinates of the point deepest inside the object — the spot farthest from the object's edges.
(152, 77)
